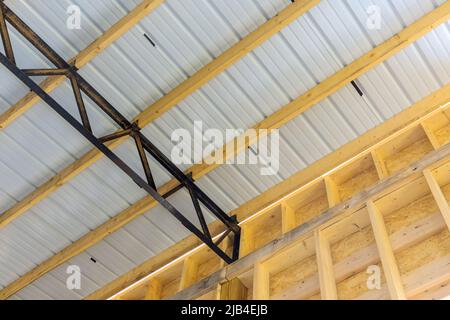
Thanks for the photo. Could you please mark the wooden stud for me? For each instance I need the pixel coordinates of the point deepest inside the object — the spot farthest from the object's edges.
(154, 290)
(287, 218)
(261, 282)
(325, 266)
(380, 165)
(233, 290)
(189, 273)
(332, 191)
(247, 240)
(438, 196)
(225, 245)
(393, 277)
(430, 135)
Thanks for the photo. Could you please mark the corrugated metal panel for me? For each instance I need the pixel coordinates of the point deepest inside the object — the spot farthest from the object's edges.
(188, 34)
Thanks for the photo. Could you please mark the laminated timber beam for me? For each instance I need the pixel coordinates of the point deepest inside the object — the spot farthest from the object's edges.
(82, 58)
(329, 219)
(152, 112)
(368, 142)
(284, 115)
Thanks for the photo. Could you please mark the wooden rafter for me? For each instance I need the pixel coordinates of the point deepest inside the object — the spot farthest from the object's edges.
(82, 58)
(287, 113)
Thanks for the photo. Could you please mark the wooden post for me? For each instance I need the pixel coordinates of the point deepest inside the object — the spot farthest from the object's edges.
(438, 195)
(430, 135)
(261, 282)
(189, 273)
(225, 245)
(327, 280)
(154, 289)
(379, 165)
(287, 218)
(233, 290)
(247, 240)
(393, 277)
(332, 191)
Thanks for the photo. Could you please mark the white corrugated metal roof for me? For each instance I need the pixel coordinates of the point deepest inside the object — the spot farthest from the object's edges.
(133, 74)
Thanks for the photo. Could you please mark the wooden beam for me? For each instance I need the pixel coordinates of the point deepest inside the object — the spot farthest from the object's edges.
(332, 191)
(247, 240)
(380, 165)
(251, 41)
(154, 290)
(325, 266)
(287, 217)
(329, 217)
(261, 282)
(226, 59)
(393, 277)
(84, 57)
(425, 277)
(189, 273)
(360, 66)
(366, 142)
(233, 290)
(430, 135)
(438, 196)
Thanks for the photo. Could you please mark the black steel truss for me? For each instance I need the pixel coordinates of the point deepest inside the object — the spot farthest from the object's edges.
(143, 145)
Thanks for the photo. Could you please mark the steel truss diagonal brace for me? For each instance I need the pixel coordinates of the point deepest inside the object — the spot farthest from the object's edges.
(143, 145)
